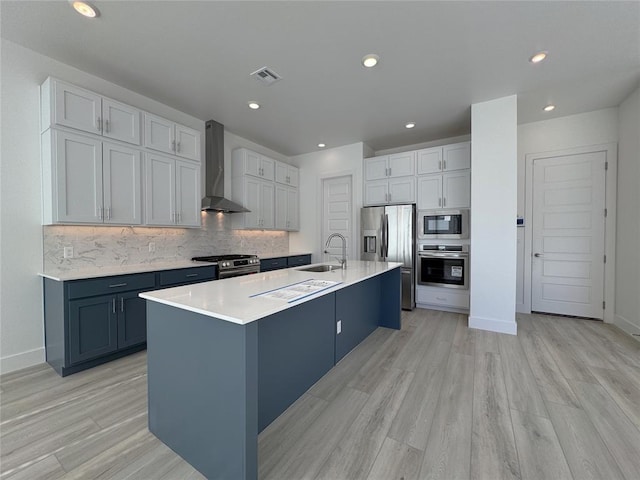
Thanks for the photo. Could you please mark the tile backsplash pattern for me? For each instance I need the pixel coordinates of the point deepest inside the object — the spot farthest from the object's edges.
(102, 246)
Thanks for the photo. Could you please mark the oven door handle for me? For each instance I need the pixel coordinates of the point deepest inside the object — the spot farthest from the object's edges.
(443, 255)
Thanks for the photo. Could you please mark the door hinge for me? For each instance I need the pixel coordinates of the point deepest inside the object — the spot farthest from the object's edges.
(605, 212)
(605, 259)
(606, 165)
(603, 304)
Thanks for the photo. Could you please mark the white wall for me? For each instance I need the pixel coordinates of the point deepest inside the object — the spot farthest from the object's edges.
(627, 304)
(493, 226)
(591, 128)
(21, 249)
(334, 162)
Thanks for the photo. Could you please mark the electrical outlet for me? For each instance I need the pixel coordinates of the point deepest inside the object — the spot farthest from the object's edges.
(339, 327)
(68, 252)
(152, 247)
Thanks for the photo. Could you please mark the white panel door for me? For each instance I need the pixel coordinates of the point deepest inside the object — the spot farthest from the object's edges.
(160, 190)
(187, 143)
(159, 133)
(267, 204)
(79, 179)
(568, 235)
(402, 190)
(375, 168)
(77, 108)
(188, 194)
(402, 164)
(120, 121)
(122, 182)
(376, 192)
(456, 156)
(429, 160)
(337, 198)
(456, 190)
(282, 199)
(430, 192)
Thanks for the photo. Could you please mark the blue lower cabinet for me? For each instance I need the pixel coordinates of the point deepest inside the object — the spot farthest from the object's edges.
(298, 260)
(93, 327)
(269, 264)
(132, 320)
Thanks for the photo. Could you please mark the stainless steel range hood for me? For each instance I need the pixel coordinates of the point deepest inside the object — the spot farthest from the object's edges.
(214, 199)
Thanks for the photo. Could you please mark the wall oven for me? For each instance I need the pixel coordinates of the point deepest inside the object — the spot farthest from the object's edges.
(445, 224)
(444, 266)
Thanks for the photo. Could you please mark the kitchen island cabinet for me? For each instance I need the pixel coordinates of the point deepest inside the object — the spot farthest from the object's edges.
(224, 361)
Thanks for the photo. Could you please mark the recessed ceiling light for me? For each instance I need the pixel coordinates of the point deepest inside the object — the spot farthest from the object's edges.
(410, 125)
(549, 108)
(254, 105)
(321, 145)
(370, 60)
(85, 8)
(538, 57)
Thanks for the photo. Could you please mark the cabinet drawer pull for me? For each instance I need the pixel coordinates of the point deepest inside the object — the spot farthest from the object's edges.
(441, 299)
(117, 285)
(192, 275)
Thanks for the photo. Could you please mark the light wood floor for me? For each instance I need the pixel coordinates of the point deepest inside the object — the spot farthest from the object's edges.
(434, 400)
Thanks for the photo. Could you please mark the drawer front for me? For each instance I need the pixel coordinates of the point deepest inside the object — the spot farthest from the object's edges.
(298, 260)
(444, 298)
(187, 275)
(109, 285)
(273, 264)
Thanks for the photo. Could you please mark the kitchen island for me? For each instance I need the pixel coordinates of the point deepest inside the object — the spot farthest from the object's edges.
(226, 358)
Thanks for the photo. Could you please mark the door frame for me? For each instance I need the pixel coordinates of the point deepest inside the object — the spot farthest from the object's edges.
(611, 175)
(355, 218)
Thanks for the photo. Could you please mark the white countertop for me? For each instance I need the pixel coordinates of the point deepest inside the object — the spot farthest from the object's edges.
(97, 272)
(232, 299)
(290, 254)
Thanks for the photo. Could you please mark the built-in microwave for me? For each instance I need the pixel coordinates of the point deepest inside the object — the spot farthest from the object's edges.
(443, 224)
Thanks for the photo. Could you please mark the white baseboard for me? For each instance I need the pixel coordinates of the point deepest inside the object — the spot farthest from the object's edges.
(493, 325)
(522, 308)
(22, 360)
(627, 326)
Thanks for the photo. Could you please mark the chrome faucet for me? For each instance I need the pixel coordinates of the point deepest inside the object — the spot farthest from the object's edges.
(343, 260)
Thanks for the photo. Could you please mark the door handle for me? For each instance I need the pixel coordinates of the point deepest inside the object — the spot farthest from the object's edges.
(537, 255)
(122, 304)
(113, 304)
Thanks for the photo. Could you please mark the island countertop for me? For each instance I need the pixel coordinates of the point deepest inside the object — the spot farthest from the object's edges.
(238, 299)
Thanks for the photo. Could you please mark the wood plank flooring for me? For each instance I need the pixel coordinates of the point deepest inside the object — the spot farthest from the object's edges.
(435, 400)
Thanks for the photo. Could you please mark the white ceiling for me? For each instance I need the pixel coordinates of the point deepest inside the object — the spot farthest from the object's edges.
(437, 58)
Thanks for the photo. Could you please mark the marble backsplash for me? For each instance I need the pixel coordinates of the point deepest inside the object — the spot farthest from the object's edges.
(107, 246)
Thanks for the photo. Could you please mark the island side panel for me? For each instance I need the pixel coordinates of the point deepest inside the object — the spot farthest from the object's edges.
(203, 400)
(391, 299)
(295, 348)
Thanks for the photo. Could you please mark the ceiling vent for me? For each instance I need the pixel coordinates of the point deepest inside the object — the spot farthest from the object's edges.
(266, 75)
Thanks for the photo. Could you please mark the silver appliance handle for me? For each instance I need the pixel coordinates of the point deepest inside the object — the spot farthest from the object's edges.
(443, 255)
(386, 240)
(382, 236)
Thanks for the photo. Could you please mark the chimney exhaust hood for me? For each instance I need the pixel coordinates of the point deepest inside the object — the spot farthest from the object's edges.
(214, 199)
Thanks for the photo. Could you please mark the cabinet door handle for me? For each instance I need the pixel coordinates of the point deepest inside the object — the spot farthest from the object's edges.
(99, 123)
(389, 171)
(442, 299)
(108, 213)
(121, 304)
(439, 202)
(114, 285)
(113, 304)
(106, 125)
(178, 147)
(189, 275)
(440, 165)
(173, 145)
(99, 212)
(444, 202)
(444, 164)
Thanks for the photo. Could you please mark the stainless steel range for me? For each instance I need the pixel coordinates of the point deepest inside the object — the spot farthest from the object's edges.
(233, 265)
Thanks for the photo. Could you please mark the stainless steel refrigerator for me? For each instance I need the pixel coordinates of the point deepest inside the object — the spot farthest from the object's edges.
(389, 235)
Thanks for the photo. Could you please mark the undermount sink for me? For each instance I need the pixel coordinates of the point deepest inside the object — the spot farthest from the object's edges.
(321, 268)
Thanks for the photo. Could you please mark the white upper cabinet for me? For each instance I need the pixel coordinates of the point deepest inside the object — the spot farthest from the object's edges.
(390, 166)
(172, 192)
(287, 174)
(447, 190)
(87, 181)
(122, 184)
(120, 121)
(430, 192)
(66, 105)
(247, 162)
(258, 196)
(286, 209)
(390, 179)
(166, 136)
(444, 159)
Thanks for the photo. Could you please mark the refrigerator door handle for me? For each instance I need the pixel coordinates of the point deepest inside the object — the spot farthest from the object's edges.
(386, 239)
(382, 236)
